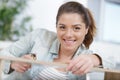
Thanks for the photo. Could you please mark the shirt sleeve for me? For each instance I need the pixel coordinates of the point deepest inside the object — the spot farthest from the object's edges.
(19, 48)
(106, 61)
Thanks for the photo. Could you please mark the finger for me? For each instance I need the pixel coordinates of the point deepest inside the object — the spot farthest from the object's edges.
(87, 70)
(33, 56)
(27, 56)
(26, 65)
(21, 69)
(83, 70)
(72, 63)
(77, 66)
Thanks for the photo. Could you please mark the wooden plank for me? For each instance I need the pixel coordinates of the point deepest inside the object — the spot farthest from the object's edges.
(59, 64)
(111, 76)
(33, 61)
(105, 70)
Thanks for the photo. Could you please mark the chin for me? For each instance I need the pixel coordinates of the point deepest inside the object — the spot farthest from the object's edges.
(69, 48)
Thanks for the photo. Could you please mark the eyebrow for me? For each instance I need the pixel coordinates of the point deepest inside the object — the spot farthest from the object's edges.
(72, 25)
(77, 25)
(60, 24)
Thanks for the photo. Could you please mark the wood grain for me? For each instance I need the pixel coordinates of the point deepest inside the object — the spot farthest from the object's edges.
(96, 69)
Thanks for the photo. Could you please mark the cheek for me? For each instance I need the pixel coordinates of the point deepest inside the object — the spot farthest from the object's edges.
(59, 34)
(81, 36)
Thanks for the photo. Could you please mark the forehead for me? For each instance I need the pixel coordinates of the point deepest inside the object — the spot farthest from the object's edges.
(70, 17)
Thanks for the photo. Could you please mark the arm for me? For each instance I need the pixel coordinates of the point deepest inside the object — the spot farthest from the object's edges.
(21, 66)
(17, 49)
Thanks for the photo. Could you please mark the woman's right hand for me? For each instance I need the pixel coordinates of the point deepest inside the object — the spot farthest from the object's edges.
(21, 66)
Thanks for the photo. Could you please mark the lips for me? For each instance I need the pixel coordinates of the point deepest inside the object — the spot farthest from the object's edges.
(69, 42)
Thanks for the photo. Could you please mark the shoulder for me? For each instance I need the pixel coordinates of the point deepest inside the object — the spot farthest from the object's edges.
(45, 36)
(83, 50)
(43, 32)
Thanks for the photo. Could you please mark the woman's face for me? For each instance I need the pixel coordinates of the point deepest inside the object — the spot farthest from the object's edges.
(71, 31)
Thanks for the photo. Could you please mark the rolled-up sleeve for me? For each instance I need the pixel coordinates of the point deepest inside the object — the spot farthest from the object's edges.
(19, 48)
(106, 61)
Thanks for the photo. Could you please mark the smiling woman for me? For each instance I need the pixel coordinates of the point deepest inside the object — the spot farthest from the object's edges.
(71, 31)
(75, 32)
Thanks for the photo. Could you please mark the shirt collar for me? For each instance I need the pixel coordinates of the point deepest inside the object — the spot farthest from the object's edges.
(80, 50)
(55, 47)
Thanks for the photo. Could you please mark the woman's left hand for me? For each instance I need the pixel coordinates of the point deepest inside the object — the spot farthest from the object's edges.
(82, 64)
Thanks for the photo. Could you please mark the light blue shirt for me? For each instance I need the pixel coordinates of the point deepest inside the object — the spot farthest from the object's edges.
(45, 45)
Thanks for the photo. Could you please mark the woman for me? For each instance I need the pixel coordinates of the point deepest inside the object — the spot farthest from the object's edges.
(75, 31)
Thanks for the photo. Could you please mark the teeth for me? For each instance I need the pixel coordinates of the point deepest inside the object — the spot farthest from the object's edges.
(69, 41)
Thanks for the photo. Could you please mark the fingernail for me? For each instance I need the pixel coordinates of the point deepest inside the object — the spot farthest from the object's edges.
(33, 56)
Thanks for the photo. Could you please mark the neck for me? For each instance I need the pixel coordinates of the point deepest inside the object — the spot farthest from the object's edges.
(66, 54)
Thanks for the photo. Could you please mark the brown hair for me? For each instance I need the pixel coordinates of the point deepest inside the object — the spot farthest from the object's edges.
(75, 7)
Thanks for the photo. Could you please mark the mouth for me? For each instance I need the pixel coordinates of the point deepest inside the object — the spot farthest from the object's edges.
(69, 42)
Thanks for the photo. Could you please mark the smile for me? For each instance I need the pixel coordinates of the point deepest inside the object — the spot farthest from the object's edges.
(69, 42)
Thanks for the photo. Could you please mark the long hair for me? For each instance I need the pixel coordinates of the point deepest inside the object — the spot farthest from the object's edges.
(75, 7)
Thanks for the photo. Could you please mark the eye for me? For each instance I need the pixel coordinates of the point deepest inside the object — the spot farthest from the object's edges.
(77, 28)
(62, 27)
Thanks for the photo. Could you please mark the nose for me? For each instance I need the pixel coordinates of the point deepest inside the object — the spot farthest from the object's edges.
(69, 33)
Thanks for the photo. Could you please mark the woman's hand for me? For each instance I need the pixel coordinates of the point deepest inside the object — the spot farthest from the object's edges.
(21, 66)
(83, 64)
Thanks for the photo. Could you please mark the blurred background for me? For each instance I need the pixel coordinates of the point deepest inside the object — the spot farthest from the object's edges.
(19, 17)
